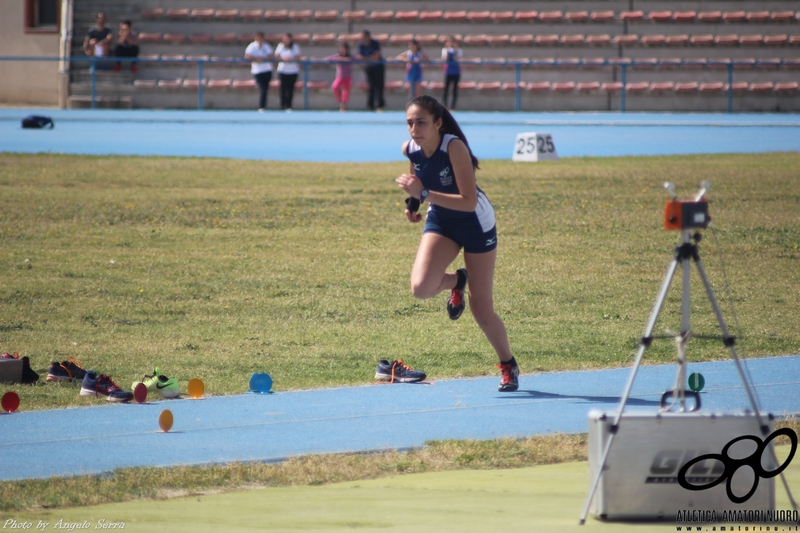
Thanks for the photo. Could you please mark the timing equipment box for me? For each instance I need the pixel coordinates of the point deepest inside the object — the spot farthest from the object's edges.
(681, 215)
(650, 450)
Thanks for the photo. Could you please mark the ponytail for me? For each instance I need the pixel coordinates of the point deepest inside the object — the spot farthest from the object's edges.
(449, 124)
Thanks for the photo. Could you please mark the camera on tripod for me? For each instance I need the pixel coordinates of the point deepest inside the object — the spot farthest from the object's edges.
(686, 214)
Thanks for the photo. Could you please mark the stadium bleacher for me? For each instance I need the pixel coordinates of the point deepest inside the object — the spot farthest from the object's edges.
(567, 54)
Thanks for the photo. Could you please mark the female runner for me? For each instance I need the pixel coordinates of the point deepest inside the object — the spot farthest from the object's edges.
(442, 171)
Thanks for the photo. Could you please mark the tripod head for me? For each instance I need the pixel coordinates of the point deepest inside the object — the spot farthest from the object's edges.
(688, 213)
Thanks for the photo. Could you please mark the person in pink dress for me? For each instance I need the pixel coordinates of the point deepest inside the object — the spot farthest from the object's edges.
(344, 78)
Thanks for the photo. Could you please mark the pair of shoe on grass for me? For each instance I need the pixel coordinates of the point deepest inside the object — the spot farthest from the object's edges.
(102, 385)
(94, 384)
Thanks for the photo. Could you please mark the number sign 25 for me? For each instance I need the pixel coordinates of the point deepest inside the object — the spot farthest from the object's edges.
(534, 146)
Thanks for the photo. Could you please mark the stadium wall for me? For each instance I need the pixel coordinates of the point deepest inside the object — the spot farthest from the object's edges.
(27, 82)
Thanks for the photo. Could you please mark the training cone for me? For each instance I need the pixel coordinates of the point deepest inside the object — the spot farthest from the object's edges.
(196, 388)
(140, 393)
(10, 401)
(165, 420)
(260, 383)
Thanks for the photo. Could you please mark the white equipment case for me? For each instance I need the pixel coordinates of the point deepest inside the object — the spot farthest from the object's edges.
(640, 480)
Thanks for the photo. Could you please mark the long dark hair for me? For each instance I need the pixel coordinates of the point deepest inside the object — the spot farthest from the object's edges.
(449, 124)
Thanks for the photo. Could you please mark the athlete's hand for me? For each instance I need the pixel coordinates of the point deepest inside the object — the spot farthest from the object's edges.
(413, 217)
(410, 184)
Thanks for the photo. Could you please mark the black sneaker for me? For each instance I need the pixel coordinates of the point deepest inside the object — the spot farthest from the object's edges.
(455, 305)
(509, 379)
(74, 367)
(69, 370)
(397, 371)
(29, 377)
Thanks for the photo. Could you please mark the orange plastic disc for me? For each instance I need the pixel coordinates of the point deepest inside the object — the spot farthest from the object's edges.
(196, 388)
(165, 420)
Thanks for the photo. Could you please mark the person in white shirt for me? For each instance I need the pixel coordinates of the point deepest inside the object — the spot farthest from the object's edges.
(260, 53)
(288, 52)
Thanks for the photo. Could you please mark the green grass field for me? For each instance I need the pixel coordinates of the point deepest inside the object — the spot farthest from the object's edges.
(217, 268)
(545, 498)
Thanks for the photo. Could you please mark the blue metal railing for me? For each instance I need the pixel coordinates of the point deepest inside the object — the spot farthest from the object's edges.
(517, 64)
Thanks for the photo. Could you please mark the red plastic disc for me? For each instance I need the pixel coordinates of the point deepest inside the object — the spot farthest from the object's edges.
(140, 393)
(10, 401)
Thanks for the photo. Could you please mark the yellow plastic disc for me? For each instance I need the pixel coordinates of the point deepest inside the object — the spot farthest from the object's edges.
(196, 388)
(165, 420)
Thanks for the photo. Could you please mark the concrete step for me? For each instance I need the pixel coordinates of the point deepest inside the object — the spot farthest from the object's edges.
(124, 76)
(106, 89)
(101, 102)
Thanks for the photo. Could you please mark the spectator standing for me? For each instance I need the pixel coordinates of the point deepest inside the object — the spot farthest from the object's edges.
(370, 50)
(288, 52)
(413, 58)
(344, 77)
(97, 42)
(261, 55)
(127, 44)
(451, 54)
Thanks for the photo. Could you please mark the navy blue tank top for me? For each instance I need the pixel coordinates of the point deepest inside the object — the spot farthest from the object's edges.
(436, 174)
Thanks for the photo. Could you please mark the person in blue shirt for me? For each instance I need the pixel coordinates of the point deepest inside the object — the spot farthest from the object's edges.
(413, 58)
(451, 55)
(442, 171)
(370, 50)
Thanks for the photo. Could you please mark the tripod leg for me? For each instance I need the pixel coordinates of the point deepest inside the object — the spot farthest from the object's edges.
(679, 392)
(643, 345)
(729, 342)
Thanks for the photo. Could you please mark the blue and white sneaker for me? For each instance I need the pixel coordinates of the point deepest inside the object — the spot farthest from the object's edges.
(397, 371)
(103, 385)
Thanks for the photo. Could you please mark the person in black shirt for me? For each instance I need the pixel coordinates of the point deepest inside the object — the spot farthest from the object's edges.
(98, 41)
(370, 49)
(127, 44)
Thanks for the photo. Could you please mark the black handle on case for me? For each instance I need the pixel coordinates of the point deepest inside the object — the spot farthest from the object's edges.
(689, 394)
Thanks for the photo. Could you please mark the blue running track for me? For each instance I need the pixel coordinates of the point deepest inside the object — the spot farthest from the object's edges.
(360, 136)
(272, 427)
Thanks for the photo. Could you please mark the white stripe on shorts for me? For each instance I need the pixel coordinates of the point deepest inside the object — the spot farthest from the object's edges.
(485, 212)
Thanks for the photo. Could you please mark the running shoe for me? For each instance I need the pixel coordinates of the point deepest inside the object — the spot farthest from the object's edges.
(397, 371)
(166, 387)
(69, 370)
(102, 385)
(455, 305)
(509, 379)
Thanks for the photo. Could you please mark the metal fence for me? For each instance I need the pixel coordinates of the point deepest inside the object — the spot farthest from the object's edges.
(623, 64)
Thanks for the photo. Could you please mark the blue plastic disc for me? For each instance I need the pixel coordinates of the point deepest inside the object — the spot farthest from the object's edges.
(260, 383)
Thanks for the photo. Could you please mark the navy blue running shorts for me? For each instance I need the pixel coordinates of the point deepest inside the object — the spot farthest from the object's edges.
(467, 232)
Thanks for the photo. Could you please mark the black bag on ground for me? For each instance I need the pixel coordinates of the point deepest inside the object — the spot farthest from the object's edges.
(37, 122)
